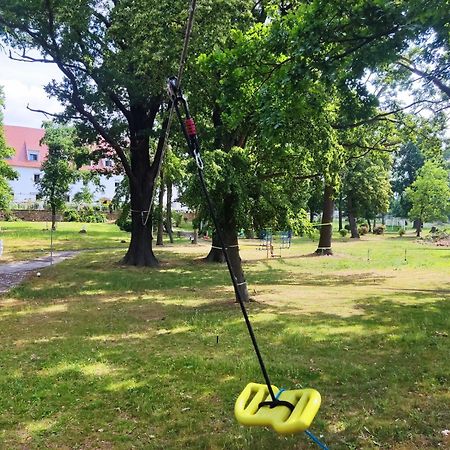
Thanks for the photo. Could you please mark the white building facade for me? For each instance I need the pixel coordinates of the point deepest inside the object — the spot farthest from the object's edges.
(28, 158)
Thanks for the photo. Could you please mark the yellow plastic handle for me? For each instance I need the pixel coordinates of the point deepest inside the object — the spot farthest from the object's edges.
(306, 403)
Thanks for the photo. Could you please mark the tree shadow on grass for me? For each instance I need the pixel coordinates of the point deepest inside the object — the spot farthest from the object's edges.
(123, 358)
(151, 368)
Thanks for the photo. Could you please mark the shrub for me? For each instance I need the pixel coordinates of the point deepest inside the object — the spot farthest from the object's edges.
(347, 227)
(379, 229)
(343, 232)
(401, 232)
(363, 229)
(9, 216)
(89, 215)
(177, 217)
(71, 215)
(124, 220)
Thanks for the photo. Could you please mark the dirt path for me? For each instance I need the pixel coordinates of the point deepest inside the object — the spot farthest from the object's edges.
(12, 274)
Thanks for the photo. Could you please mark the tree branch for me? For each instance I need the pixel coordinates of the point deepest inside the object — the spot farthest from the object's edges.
(295, 177)
(380, 116)
(438, 83)
(49, 114)
(76, 97)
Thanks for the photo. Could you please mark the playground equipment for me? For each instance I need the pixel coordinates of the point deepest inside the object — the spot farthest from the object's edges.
(253, 407)
(296, 410)
(268, 238)
(257, 404)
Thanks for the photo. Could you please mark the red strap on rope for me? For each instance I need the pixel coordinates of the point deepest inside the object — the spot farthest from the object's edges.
(190, 127)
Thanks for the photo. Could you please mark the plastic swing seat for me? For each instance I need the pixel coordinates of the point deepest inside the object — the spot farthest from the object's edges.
(249, 411)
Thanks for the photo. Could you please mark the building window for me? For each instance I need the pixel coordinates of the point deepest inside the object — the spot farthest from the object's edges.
(33, 156)
(37, 177)
(116, 184)
(108, 163)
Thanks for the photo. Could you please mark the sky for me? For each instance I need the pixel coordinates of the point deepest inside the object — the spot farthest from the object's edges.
(23, 84)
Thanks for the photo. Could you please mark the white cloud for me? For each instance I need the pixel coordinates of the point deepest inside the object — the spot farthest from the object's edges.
(24, 85)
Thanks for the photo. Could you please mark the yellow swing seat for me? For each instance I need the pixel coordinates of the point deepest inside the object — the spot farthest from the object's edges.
(282, 419)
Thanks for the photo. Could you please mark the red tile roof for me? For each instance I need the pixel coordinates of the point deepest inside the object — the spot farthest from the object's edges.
(24, 140)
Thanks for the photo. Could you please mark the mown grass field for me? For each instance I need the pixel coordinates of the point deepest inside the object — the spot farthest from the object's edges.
(99, 356)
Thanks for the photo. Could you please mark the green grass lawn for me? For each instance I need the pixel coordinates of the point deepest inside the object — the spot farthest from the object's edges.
(28, 240)
(98, 356)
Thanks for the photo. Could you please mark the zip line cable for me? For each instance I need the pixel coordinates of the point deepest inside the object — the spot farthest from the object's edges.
(183, 59)
(190, 134)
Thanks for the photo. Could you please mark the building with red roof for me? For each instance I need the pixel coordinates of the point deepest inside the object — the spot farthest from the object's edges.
(28, 158)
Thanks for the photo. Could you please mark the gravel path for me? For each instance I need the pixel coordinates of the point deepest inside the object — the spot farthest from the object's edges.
(12, 274)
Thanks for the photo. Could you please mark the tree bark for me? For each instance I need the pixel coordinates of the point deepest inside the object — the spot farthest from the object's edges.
(215, 254)
(418, 227)
(370, 225)
(230, 236)
(160, 232)
(352, 219)
(169, 211)
(340, 211)
(326, 231)
(142, 179)
(140, 252)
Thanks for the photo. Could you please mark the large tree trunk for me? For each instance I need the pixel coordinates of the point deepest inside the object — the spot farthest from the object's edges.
(418, 226)
(140, 252)
(216, 255)
(340, 211)
(169, 211)
(230, 236)
(326, 231)
(352, 219)
(160, 232)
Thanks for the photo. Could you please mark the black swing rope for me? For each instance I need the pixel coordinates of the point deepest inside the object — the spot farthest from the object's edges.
(190, 134)
(183, 58)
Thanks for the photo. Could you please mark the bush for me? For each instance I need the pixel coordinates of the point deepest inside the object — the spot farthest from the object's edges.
(379, 229)
(124, 220)
(343, 232)
(401, 232)
(88, 214)
(177, 217)
(363, 229)
(71, 215)
(347, 227)
(8, 216)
